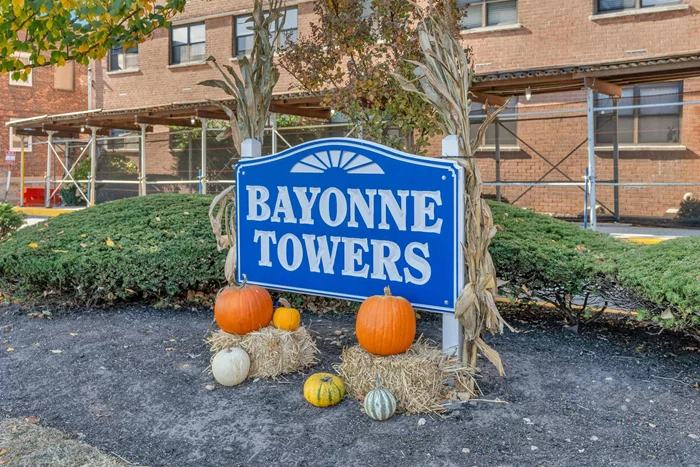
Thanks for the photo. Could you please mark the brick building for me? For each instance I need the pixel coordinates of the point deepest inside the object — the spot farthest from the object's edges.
(656, 144)
(543, 140)
(48, 90)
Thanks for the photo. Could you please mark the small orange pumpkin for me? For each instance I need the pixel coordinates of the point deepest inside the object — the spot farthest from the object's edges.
(240, 310)
(386, 325)
(286, 317)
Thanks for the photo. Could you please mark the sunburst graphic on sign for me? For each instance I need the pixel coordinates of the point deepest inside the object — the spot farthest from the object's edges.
(350, 162)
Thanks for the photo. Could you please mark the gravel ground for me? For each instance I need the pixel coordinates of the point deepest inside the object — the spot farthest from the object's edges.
(133, 382)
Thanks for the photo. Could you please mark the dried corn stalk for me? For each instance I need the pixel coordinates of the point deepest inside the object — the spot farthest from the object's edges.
(252, 94)
(252, 90)
(444, 76)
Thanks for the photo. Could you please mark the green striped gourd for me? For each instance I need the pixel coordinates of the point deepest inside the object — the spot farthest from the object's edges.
(380, 404)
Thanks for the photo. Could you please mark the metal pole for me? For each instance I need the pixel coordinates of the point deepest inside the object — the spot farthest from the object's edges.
(7, 186)
(142, 163)
(204, 157)
(189, 154)
(452, 329)
(49, 157)
(616, 164)
(585, 202)
(498, 162)
(21, 171)
(591, 158)
(93, 164)
(273, 121)
(66, 154)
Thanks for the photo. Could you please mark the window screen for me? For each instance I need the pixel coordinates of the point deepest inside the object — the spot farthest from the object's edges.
(483, 13)
(244, 32)
(188, 43)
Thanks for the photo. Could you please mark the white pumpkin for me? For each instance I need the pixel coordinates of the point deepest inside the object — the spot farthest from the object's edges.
(380, 404)
(230, 366)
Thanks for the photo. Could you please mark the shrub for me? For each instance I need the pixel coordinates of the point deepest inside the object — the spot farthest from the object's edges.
(10, 219)
(160, 247)
(667, 274)
(559, 262)
(150, 248)
(553, 260)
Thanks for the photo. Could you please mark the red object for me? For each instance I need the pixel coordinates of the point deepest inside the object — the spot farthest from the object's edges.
(35, 197)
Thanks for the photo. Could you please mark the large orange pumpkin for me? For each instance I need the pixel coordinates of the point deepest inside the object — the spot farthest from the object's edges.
(240, 310)
(386, 325)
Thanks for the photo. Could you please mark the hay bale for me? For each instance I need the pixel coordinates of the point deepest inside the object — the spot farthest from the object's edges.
(273, 352)
(417, 378)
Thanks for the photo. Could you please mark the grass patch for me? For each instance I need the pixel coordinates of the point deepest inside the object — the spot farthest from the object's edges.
(25, 443)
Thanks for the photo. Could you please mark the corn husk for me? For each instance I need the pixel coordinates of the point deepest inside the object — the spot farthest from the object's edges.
(443, 78)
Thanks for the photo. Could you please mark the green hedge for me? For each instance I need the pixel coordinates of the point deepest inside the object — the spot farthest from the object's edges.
(150, 248)
(10, 219)
(666, 274)
(560, 261)
(160, 247)
(546, 254)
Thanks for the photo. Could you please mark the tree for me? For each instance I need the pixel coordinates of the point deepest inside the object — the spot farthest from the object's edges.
(442, 78)
(45, 32)
(346, 59)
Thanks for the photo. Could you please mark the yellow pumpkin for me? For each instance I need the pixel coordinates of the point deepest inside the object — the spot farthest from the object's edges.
(286, 317)
(323, 389)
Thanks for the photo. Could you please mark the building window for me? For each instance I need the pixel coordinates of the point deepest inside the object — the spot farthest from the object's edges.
(505, 137)
(16, 143)
(484, 13)
(24, 58)
(605, 6)
(188, 44)
(123, 60)
(648, 125)
(244, 36)
(125, 140)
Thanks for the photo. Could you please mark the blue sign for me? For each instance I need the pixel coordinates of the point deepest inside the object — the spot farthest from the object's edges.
(343, 218)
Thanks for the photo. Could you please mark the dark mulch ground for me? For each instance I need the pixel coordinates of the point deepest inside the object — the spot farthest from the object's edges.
(132, 381)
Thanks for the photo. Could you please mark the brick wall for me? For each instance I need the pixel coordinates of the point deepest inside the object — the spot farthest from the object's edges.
(167, 83)
(40, 98)
(550, 33)
(562, 32)
(548, 139)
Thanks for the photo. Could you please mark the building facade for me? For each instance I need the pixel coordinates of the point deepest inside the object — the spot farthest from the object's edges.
(657, 144)
(48, 90)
